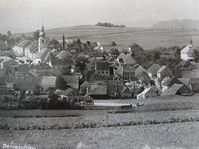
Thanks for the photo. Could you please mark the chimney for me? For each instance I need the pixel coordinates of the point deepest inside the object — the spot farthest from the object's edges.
(63, 42)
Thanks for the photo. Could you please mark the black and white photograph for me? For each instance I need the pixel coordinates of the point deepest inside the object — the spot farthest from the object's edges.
(99, 74)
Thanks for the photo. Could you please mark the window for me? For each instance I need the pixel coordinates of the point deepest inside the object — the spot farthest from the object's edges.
(42, 41)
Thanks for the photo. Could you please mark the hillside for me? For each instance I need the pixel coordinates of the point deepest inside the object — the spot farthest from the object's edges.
(147, 38)
(178, 24)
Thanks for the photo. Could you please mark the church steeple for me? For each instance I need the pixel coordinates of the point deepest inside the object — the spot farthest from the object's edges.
(42, 32)
(42, 39)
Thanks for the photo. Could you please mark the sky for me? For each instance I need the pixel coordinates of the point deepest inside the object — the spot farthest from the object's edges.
(29, 15)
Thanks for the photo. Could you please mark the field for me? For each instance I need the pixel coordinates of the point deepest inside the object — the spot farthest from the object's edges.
(162, 123)
(147, 38)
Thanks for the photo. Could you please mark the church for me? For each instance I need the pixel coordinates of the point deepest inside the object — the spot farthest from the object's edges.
(30, 49)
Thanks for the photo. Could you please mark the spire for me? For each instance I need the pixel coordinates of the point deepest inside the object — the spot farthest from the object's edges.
(42, 32)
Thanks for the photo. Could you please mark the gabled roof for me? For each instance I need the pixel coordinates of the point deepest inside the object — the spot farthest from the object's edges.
(139, 70)
(164, 68)
(102, 66)
(186, 49)
(149, 89)
(153, 68)
(48, 57)
(130, 68)
(84, 85)
(24, 43)
(97, 89)
(126, 90)
(161, 69)
(48, 81)
(72, 80)
(185, 81)
(68, 92)
(41, 66)
(64, 55)
(172, 90)
(129, 60)
(167, 81)
(41, 55)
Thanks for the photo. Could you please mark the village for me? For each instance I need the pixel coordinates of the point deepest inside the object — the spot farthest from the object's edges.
(74, 70)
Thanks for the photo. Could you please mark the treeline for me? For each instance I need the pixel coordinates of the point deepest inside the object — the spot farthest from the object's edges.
(106, 24)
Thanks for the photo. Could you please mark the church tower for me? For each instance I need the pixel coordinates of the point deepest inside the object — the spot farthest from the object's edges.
(42, 43)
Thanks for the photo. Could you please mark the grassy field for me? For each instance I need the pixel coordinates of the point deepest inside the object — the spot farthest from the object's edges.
(124, 37)
(169, 122)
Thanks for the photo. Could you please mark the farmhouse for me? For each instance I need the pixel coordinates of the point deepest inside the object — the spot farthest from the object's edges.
(149, 92)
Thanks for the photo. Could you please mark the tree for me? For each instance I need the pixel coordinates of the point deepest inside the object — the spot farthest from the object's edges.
(66, 70)
(115, 52)
(156, 55)
(113, 43)
(9, 34)
(36, 35)
(81, 64)
(61, 83)
(36, 90)
(196, 55)
(55, 43)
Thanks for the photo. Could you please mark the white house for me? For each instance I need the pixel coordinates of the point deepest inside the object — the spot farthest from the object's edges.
(187, 53)
(149, 92)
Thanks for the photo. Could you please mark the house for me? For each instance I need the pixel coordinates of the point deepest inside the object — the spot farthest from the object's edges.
(58, 64)
(129, 72)
(18, 74)
(194, 83)
(139, 70)
(185, 81)
(167, 82)
(163, 72)
(8, 64)
(141, 75)
(98, 90)
(149, 92)
(23, 77)
(152, 70)
(102, 69)
(177, 89)
(126, 92)
(115, 88)
(47, 82)
(126, 59)
(19, 49)
(187, 53)
(42, 69)
(72, 80)
(31, 50)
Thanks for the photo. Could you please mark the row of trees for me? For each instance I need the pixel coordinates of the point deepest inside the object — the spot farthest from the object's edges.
(106, 24)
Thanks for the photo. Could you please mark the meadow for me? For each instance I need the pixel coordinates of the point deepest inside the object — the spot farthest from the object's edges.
(147, 38)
